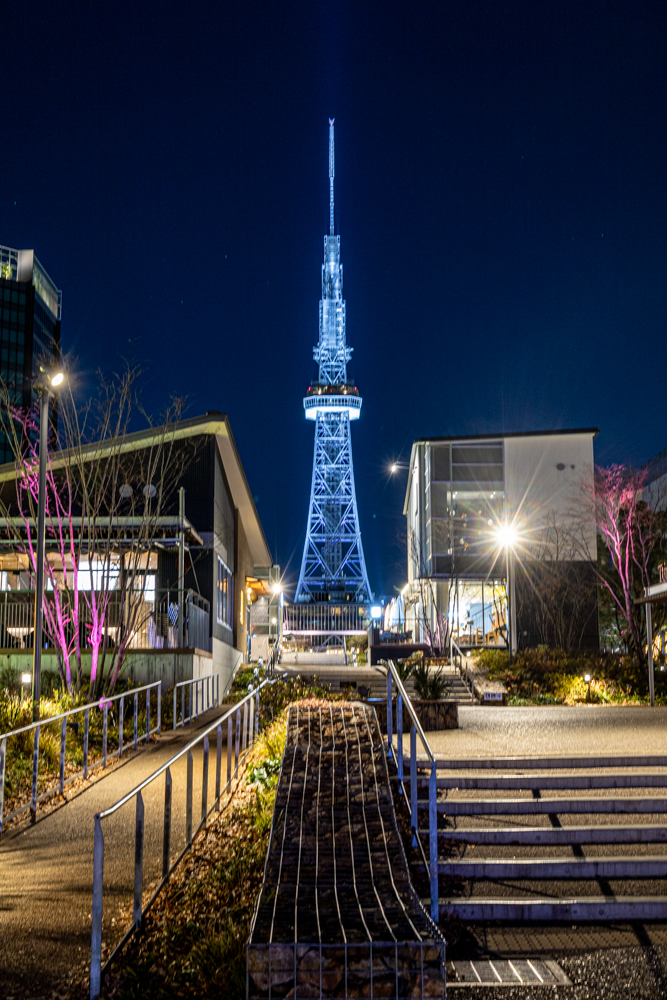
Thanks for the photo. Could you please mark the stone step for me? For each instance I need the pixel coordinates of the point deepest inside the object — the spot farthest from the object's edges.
(576, 910)
(524, 836)
(553, 782)
(561, 762)
(557, 868)
(553, 806)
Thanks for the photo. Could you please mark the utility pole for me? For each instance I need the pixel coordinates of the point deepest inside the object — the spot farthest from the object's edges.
(181, 565)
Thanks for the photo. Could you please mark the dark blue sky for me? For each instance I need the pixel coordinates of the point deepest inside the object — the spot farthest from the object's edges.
(500, 194)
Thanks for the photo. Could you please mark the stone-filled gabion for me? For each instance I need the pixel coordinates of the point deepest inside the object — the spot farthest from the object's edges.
(337, 915)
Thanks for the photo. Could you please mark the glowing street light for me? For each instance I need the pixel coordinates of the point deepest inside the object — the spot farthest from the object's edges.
(44, 384)
(507, 537)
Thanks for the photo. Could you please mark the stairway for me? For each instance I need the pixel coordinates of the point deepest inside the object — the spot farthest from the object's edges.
(565, 838)
(373, 680)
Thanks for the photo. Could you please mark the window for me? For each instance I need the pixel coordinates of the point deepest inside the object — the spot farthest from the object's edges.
(225, 595)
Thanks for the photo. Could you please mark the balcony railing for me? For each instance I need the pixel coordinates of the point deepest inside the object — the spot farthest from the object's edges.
(323, 619)
(153, 623)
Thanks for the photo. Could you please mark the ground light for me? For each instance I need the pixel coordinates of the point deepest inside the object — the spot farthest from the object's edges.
(588, 679)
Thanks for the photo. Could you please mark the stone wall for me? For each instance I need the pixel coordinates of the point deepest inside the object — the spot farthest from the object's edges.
(433, 715)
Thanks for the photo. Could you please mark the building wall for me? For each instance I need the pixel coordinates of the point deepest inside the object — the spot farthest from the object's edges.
(538, 489)
(244, 568)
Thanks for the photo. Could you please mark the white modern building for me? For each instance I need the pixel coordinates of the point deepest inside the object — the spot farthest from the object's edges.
(482, 510)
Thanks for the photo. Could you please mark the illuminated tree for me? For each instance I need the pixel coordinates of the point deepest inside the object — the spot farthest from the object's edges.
(104, 501)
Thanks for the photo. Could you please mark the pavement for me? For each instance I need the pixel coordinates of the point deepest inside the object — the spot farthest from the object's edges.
(46, 870)
(486, 731)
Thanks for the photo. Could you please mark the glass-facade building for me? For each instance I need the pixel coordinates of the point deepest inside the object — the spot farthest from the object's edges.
(30, 311)
(461, 494)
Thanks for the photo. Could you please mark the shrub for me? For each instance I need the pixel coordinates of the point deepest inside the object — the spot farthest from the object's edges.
(430, 686)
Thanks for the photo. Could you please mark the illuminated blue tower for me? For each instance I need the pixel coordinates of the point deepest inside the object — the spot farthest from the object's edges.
(333, 567)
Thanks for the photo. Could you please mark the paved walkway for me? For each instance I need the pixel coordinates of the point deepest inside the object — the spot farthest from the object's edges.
(506, 731)
(46, 870)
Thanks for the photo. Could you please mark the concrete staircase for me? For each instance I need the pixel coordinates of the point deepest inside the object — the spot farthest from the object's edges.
(577, 838)
(372, 680)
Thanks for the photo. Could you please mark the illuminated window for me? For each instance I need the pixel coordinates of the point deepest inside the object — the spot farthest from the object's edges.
(225, 595)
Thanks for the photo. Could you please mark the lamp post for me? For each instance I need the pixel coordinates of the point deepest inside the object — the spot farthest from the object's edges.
(507, 536)
(44, 384)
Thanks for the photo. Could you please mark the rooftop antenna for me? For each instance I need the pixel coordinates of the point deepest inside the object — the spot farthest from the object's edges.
(331, 175)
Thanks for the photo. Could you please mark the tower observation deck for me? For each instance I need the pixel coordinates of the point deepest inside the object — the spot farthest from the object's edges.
(333, 567)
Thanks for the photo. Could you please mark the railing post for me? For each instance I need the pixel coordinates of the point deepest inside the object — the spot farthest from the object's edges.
(218, 767)
(238, 740)
(217, 690)
(175, 701)
(183, 706)
(136, 715)
(138, 861)
(105, 719)
(196, 699)
(245, 726)
(166, 835)
(414, 813)
(230, 744)
(121, 724)
(159, 708)
(390, 710)
(98, 890)
(399, 737)
(251, 721)
(433, 842)
(61, 775)
(3, 758)
(35, 768)
(204, 783)
(190, 701)
(148, 714)
(188, 802)
(86, 729)
(257, 715)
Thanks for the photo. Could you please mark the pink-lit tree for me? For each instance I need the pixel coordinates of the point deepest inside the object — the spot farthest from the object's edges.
(632, 532)
(104, 501)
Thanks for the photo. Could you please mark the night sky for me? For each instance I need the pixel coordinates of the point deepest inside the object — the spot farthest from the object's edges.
(500, 195)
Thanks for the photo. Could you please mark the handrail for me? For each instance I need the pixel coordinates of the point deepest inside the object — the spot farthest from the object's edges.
(413, 715)
(250, 730)
(103, 705)
(214, 678)
(464, 657)
(103, 701)
(416, 729)
(273, 658)
(156, 774)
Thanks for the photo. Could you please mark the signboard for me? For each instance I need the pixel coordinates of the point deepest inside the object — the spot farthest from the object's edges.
(493, 696)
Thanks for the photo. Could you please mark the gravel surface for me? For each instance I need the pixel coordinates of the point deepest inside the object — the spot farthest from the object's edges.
(631, 973)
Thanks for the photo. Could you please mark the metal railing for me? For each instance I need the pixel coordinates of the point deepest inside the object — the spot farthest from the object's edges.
(65, 719)
(274, 659)
(469, 679)
(155, 621)
(316, 619)
(196, 686)
(239, 735)
(403, 699)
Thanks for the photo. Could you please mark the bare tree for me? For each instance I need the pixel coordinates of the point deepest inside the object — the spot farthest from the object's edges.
(556, 587)
(433, 623)
(106, 493)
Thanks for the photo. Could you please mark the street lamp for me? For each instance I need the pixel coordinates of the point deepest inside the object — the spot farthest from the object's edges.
(506, 535)
(395, 466)
(45, 384)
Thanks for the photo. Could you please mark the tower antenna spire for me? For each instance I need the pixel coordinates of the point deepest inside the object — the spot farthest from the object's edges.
(332, 173)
